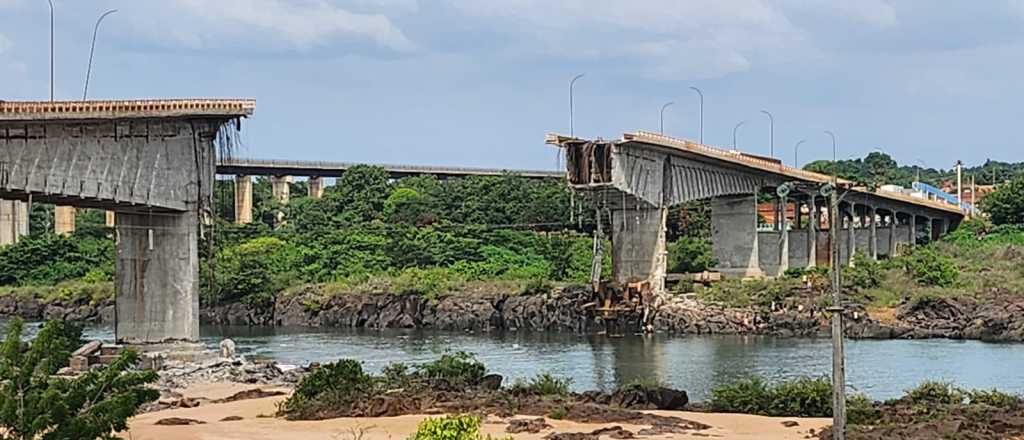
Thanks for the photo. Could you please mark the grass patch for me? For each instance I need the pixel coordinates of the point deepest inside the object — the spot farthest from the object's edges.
(67, 292)
(543, 384)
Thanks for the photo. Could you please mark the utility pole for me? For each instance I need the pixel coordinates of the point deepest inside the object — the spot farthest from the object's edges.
(838, 353)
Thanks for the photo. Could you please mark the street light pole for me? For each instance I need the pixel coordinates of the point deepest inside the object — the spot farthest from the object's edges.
(701, 94)
(796, 153)
(771, 133)
(92, 50)
(734, 129)
(919, 168)
(838, 355)
(572, 84)
(661, 122)
(51, 49)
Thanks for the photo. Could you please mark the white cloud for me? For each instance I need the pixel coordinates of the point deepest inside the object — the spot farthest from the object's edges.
(301, 24)
(667, 38)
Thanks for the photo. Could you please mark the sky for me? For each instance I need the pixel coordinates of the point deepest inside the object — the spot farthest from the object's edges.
(480, 82)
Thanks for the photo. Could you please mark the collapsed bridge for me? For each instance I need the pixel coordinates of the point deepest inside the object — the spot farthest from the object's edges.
(634, 180)
(151, 162)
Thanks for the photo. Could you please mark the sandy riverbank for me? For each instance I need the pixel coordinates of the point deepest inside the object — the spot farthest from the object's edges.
(257, 423)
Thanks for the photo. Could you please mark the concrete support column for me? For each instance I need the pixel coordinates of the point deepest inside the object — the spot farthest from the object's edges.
(852, 235)
(913, 230)
(638, 246)
(873, 236)
(243, 200)
(943, 227)
(812, 232)
(109, 220)
(734, 240)
(13, 221)
(64, 220)
(893, 225)
(281, 186)
(316, 187)
(157, 281)
(783, 238)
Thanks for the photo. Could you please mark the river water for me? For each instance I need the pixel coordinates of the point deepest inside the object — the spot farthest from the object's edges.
(881, 369)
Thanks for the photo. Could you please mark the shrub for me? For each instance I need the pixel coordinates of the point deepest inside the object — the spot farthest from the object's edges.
(337, 384)
(929, 268)
(1006, 204)
(860, 410)
(36, 404)
(866, 273)
(455, 427)
(804, 397)
(931, 393)
(456, 369)
(749, 395)
(994, 398)
(543, 384)
(688, 254)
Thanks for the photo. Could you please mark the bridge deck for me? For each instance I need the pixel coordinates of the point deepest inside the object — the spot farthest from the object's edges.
(754, 164)
(270, 167)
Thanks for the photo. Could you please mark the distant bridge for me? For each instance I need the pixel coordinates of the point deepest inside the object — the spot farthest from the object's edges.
(272, 167)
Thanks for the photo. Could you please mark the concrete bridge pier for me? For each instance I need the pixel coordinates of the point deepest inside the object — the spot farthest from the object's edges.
(735, 237)
(157, 277)
(639, 250)
(243, 199)
(316, 187)
(13, 221)
(64, 220)
(281, 186)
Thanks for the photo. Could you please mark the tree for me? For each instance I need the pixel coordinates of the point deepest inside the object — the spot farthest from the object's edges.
(1006, 204)
(35, 404)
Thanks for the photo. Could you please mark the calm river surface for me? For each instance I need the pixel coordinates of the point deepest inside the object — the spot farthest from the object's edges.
(881, 369)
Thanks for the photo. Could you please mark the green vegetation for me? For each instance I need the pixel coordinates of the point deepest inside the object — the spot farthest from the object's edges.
(35, 404)
(338, 387)
(543, 384)
(454, 427)
(1006, 204)
(804, 397)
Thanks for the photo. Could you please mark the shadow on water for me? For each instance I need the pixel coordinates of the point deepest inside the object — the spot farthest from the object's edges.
(882, 369)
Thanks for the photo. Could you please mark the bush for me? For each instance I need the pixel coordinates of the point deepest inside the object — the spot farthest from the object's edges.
(333, 386)
(931, 394)
(804, 397)
(860, 410)
(929, 268)
(688, 255)
(994, 398)
(456, 369)
(1006, 204)
(543, 384)
(36, 404)
(866, 273)
(455, 427)
(750, 395)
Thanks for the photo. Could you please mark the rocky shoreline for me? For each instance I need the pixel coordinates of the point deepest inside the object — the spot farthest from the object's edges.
(566, 309)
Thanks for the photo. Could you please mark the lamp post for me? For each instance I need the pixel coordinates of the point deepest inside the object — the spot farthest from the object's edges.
(734, 129)
(771, 133)
(701, 95)
(51, 49)
(661, 119)
(796, 153)
(92, 50)
(835, 167)
(572, 84)
(919, 168)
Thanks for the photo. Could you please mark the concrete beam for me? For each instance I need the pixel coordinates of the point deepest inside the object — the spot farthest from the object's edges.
(64, 220)
(243, 200)
(157, 281)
